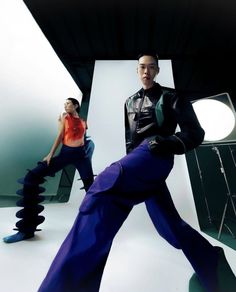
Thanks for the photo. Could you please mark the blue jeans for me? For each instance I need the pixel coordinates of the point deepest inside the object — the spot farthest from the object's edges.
(138, 177)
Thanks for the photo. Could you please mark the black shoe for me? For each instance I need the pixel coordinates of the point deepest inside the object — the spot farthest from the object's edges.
(226, 280)
(226, 277)
(195, 285)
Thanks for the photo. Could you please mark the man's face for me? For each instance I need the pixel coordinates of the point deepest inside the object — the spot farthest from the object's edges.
(147, 70)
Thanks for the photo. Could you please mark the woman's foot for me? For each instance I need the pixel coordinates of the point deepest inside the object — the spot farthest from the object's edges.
(17, 237)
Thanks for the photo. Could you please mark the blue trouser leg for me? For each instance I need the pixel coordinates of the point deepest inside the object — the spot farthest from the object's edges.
(84, 167)
(200, 253)
(160, 222)
(68, 155)
(30, 192)
(89, 146)
(80, 261)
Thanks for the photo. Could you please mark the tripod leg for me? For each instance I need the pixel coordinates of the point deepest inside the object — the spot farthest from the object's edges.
(233, 206)
(223, 218)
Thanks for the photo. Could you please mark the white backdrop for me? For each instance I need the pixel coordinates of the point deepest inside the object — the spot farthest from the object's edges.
(113, 82)
(33, 87)
(136, 248)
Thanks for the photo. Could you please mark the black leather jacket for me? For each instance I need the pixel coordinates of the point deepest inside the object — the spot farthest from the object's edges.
(154, 114)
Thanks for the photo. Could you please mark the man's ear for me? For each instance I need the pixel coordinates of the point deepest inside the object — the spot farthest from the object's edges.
(158, 70)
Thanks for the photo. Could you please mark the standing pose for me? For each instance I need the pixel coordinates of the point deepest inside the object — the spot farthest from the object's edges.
(151, 117)
(76, 150)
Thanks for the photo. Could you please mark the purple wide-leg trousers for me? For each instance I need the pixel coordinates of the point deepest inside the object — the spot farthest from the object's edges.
(138, 177)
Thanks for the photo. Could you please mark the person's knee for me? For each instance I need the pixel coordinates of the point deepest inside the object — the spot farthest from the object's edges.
(106, 204)
(88, 204)
(30, 176)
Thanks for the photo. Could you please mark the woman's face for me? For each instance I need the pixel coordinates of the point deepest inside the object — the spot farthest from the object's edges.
(70, 108)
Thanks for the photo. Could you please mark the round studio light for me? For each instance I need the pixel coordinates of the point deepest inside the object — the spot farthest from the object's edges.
(216, 118)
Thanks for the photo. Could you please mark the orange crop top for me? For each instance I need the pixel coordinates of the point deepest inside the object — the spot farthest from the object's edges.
(75, 129)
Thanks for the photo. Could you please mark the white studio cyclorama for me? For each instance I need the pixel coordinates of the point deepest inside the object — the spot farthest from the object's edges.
(137, 246)
(34, 85)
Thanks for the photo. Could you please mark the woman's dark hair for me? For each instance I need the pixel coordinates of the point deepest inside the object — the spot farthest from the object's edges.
(155, 56)
(75, 102)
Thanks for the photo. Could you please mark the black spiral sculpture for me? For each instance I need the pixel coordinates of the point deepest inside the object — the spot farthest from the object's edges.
(30, 202)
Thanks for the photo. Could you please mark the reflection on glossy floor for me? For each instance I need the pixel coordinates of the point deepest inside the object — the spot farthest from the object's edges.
(140, 260)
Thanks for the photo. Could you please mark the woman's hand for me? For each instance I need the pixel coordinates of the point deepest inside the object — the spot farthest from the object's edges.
(48, 158)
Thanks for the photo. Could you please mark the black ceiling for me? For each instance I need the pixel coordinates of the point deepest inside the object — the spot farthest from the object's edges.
(199, 36)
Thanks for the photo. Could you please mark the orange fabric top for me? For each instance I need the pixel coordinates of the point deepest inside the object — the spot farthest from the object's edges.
(75, 129)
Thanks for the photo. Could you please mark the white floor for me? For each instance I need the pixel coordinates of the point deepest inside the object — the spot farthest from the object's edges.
(140, 260)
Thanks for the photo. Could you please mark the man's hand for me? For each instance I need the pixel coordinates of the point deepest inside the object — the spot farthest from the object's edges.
(166, 145)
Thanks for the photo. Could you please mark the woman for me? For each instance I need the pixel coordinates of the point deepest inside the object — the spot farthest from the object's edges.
(76, 150)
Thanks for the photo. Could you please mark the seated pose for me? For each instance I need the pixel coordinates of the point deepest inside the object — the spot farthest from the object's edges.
(151, 117)
(76, 149)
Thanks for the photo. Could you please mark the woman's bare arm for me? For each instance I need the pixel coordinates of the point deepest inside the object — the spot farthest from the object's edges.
(58, 139)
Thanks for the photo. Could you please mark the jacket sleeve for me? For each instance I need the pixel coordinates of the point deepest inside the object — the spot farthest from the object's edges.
(190, 135)
(128, 143)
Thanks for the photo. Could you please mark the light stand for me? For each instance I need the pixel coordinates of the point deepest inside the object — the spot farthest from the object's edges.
(229, 195)
(217, 117)
(203, 188)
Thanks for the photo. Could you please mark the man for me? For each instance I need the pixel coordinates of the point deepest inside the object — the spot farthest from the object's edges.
(151, 116)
